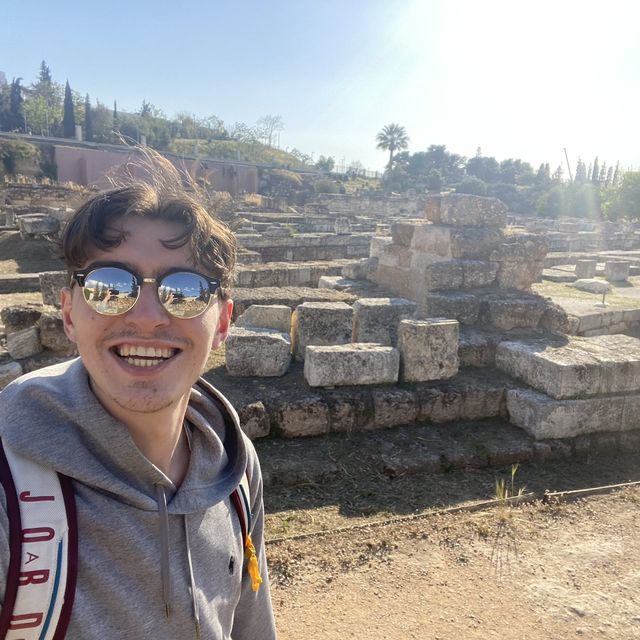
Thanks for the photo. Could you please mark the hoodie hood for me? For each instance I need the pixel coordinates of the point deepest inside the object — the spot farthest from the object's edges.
(87, 444)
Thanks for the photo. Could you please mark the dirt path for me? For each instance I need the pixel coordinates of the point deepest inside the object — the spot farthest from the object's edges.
(534, 572)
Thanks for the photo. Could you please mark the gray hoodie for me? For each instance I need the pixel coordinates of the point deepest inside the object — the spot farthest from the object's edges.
(51, 416)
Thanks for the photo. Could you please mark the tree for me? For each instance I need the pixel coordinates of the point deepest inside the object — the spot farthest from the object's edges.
(595, 172)
(392, 138)
(473, 186)
(581, 172)
(45, 73)
(69, 118)
(115, 122)
(88, 119)
(434, 181)
(16, 107)
(268, 126)
(325, 164)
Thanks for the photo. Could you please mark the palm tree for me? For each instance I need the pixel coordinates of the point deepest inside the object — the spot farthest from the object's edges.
(393, 137)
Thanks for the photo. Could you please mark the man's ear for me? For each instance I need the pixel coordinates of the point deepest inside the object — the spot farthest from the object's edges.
(66, 307)
(224, 323)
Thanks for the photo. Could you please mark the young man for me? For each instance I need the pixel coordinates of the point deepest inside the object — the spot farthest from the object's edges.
(153, 452)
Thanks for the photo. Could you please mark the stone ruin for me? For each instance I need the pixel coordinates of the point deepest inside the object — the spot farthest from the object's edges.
(437, 324)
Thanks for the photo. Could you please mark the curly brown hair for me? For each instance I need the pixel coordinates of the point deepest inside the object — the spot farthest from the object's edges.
(162, 193)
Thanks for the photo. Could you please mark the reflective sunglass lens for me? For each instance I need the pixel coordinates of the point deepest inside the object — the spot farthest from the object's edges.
(110, 291)
(184, 294)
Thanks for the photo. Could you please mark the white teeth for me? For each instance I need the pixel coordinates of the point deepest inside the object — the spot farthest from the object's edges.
(126, 350)
(136, 362)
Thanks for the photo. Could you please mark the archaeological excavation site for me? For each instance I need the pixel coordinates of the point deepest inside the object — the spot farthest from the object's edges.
(503, 338)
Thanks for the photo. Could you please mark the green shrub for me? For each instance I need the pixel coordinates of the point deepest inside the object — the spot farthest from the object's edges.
(326, 186)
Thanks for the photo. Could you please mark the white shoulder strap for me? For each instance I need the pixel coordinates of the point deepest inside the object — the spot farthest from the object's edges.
(44, 550)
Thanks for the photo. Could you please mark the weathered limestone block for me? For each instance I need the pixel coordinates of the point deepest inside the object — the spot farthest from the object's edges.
(35, 225)
(463, 307)
(439, 405)
(338, 283)
(393, 407)
(441, 276)
(545, 417)
(402, 232)
(555, 319)
(616, 270)
(465, 210)
(521, 261)
(254, 420)
(397, 280)
(307, 415)
(52, 335)
(350, 410)
(511, 312)
(378, 245)
(50, 284)
(376, 319)
(18, 318)
(475, 349)
(586, 268)
(453, 242)
(580, 367)
(592, 285)
(257, 352)
(266, 316)
(428, 349)
(9, 371)
(321, 323)
(357, 363)
(24, 343)
(359, 269)
(477, 273)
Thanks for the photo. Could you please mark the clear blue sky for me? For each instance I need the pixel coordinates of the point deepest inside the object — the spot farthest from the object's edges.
(516, 78)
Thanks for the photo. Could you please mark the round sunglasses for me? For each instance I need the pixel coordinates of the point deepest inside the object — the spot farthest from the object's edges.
(113, 289)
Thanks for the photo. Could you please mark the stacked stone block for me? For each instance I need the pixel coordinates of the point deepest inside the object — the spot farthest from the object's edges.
(448, 261)
(579, 385)
(321, 323)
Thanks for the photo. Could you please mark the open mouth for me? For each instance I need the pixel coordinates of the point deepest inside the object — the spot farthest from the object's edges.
(139, 356)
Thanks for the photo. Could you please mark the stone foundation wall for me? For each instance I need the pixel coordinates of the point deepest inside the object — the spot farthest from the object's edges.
(378, 206)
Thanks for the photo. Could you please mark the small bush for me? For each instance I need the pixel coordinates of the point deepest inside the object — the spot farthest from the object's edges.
(326, 186)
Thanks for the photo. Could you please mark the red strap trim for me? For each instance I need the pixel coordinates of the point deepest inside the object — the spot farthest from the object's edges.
(72, 556)
(15, 543)
(236, 498)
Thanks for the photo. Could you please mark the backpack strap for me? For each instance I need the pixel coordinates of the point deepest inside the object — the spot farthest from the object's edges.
(241, 499)
(43, 542)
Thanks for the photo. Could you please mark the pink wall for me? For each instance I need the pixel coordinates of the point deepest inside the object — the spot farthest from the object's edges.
(88, 166)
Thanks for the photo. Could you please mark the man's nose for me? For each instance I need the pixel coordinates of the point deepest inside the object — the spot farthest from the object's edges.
(148, 312)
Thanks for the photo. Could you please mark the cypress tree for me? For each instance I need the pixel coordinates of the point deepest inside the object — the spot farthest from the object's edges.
(16, 107)
(69, 118)
(595, 174)
(116, 122)
(88, 119)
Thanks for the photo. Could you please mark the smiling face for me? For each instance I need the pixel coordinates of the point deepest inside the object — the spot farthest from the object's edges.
(145, 360)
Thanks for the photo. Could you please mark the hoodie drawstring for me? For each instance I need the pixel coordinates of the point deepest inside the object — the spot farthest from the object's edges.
(164, 547)
(164, 558)
(196, 608)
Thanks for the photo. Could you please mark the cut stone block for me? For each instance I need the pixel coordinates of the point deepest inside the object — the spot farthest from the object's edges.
(321, 323)
(428, 349)
(307, 415)
(393, 407)
(478, 273)
(378, 245)
(441, 276)
(337, 282)
(592, 285)
(581, 367)
(351, 364)
(9, 371)
(52, 335)
(254, 420)
(33, 225)
(358, 270)
(464, 210)
(24, 343)
(545, 417)
(51, 282)
(463, 307)
(257, 352)
(266, 316)
(616, 270)
(511, 312)
(377, 319)
(19, 318)
(586, 268)
(475, 349)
